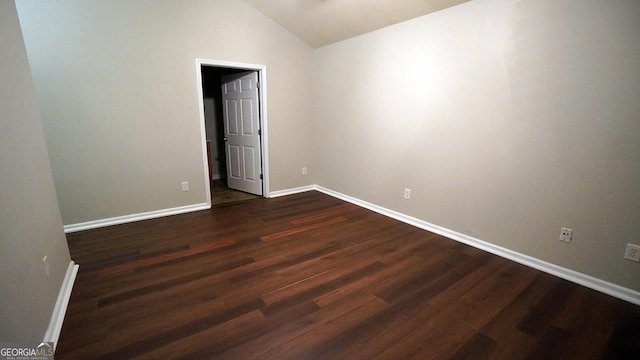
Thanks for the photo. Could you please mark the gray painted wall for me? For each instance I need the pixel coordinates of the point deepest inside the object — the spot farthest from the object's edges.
(30, 222)
(507, 119)
(117, 87)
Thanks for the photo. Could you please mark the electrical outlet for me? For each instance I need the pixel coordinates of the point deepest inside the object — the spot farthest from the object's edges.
(566, 234)
(185, 186)
(632, 253)
(304, 170)
(47, 267)
(407, 194)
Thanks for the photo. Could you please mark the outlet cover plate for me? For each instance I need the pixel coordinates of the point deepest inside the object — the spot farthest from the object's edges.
(566, 234)
(632, 253)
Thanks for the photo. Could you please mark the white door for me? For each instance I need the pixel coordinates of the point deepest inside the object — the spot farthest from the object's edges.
(241, 115)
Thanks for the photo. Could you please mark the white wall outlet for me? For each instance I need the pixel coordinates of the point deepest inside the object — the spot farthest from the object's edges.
(304, 170)
(566, 234)
(185, 186)
(407, 194)
(632, 253)
(47, 267)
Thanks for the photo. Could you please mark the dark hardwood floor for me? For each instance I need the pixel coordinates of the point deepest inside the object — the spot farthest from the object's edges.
(308, 276)
(220, 193)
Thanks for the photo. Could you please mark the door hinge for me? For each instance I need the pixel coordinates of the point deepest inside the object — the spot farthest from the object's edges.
(258, 84)
(259, 131)
(260, 176)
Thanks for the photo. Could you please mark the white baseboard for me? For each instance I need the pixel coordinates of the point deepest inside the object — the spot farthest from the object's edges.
(134, 217)
(591, 282)
(60, 309)
(291, 191)
(600, 285)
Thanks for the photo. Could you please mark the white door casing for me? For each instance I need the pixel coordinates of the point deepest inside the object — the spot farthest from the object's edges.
(241, 115)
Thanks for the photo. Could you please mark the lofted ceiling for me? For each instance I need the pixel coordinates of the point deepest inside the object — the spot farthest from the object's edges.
(323, 22)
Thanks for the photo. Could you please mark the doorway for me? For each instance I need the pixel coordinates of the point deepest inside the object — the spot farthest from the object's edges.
(219, 150)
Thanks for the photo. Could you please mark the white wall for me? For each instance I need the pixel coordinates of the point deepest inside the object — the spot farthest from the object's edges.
(30, 222)
(117, 87)
(508, 119)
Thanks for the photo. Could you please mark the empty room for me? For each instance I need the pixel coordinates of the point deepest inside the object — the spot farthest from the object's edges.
(320, 179)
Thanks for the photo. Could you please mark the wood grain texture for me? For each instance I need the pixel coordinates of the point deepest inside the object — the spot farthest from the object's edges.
(308, 276)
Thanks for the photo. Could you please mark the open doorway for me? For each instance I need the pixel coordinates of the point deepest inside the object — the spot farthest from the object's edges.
(236, 169)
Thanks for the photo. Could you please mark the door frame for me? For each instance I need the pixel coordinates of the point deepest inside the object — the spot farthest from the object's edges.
(262, 97)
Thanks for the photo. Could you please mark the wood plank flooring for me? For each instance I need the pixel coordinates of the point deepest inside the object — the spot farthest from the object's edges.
(308, 276)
